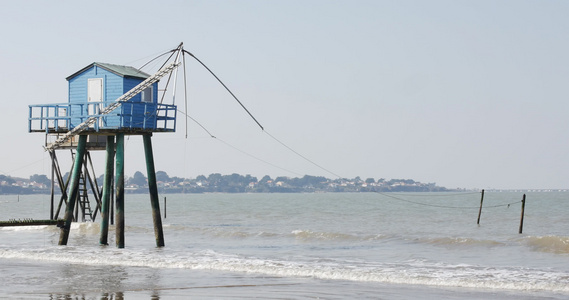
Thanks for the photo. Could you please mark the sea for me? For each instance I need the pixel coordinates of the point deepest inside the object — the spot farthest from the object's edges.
(298, 246)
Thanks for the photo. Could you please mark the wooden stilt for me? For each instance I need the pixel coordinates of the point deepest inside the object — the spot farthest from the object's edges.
(112, 215)
(52, 195)
(153, 189)
(107, 190)
(480, 210)
(64, 236)
(119, 185)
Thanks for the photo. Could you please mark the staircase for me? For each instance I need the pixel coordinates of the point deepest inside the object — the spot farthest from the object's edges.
(83, 198)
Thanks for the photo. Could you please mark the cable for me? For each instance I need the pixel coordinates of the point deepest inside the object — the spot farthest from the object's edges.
(254, 119)
(308, 160)
(157, 57)
(234, 97)
(445, 194)
(189, 117)
(22, 167)
(261, 160)
(185, 92)
(235, 148)
(445, 206)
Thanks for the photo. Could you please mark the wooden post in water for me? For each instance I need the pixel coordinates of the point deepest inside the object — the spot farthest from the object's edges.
(164, 207)
(480, 211)
(107, 190)
(153, 189)
(119, 179)
(522, 217)
(112, 214)
(73, 189)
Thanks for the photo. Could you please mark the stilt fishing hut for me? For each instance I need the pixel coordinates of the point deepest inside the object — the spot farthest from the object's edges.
(106, 102)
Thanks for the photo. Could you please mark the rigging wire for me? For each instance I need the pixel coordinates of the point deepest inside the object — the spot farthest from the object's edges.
(195, 121)
(223, 84)
(235, 148)
(261, 160)
(166, 88)
(445, 206)
(446, 194)
(180, 48)
(22, 167)
(185, 92)
(300, 155)
(159, 53)
(170, 74)
(254, 119)
(169, 51)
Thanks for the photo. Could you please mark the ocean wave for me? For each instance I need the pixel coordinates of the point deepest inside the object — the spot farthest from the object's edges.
(409, 272)
(549, 243)
(308, 235)
(25, 228)
(460, 241)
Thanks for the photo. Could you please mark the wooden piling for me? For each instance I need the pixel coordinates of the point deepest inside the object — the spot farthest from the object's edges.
(153, 189)
(522, 217)
(119, 185)
(52, 194)
(480, 210)
(164, 207)
(73, 188)
(107, 190)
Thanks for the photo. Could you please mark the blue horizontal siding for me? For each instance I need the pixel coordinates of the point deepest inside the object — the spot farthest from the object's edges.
(114, 86)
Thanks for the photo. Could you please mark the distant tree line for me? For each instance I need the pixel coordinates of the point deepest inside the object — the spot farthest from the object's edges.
(236, 183)
(233, 183)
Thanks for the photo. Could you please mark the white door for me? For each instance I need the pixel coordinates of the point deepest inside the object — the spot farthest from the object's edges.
(95, 96)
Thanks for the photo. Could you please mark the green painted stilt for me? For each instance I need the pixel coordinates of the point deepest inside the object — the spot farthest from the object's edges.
(119, 185)
(107, 190)
(73, 188)
(153, 189)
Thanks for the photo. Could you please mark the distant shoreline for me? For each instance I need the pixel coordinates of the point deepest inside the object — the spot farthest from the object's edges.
(236, 183)
(175, 191)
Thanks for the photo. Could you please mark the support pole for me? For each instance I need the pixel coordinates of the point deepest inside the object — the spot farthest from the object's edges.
(119, 185)
(52, 195)
(522, 217)
(112, 203)
(153, 189)
(107, 190)
(164, 207)
(480, 211)
(73, 188)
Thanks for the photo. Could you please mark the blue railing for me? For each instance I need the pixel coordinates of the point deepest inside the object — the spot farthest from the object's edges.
(63, 117)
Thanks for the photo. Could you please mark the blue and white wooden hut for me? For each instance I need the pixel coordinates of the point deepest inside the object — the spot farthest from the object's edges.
(93, 88)
(106, 102)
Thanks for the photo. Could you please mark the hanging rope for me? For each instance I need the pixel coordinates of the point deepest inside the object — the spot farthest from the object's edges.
(445, 206)
(445, 194)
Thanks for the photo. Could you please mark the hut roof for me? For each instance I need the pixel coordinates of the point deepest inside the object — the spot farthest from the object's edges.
(123, 71)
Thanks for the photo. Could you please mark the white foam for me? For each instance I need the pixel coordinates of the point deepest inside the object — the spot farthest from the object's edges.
(24, 228)
(410, 272)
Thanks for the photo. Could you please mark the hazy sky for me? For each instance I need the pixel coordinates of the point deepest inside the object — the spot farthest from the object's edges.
(469, 94)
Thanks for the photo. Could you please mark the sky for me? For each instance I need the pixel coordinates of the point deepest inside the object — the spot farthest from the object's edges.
(465, 94)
